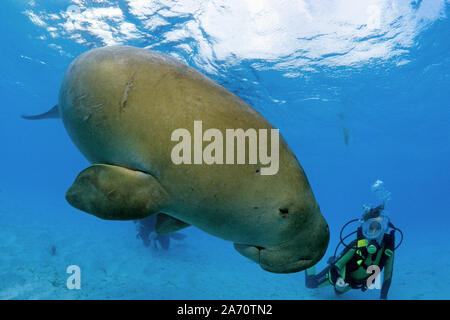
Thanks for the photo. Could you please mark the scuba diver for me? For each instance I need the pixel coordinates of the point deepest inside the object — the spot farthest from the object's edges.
(373, 247)
(146, 229)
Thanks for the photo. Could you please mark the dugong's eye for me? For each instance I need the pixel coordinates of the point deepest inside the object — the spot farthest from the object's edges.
(284, 212)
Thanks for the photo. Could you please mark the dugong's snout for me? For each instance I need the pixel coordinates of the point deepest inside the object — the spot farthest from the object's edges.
(300, 252)
(304, 250)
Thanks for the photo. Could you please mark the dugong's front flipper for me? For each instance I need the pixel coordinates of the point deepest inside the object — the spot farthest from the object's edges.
(116, 193)
(166, 224)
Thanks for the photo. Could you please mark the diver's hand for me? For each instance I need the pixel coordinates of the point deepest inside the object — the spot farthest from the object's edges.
(341, 284)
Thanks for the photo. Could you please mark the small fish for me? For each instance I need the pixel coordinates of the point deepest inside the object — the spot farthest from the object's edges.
(346, 132)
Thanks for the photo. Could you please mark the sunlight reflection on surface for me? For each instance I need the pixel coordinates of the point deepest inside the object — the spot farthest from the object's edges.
(292, 35)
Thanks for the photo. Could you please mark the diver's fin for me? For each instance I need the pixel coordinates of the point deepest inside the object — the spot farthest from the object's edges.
(164, 241)
(116, 193)
(166, 224)
(53, 113)
(311, 271)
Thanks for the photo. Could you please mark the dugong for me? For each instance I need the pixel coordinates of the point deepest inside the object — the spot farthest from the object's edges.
(120, 106)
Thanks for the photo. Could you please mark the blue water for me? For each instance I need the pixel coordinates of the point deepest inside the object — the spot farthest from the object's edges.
(376, 73)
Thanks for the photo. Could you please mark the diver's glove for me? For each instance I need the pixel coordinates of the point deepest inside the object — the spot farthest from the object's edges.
(340, 282)
(340, 286)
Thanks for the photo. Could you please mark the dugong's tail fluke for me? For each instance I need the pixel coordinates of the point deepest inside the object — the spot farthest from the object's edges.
(53, 113)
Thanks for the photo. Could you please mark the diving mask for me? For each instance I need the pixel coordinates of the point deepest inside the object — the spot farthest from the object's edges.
(374, 228)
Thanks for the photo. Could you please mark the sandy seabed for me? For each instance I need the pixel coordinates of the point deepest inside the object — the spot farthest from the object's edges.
(37, 247)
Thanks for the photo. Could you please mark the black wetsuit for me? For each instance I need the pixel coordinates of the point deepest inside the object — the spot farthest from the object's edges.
(148, 225)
